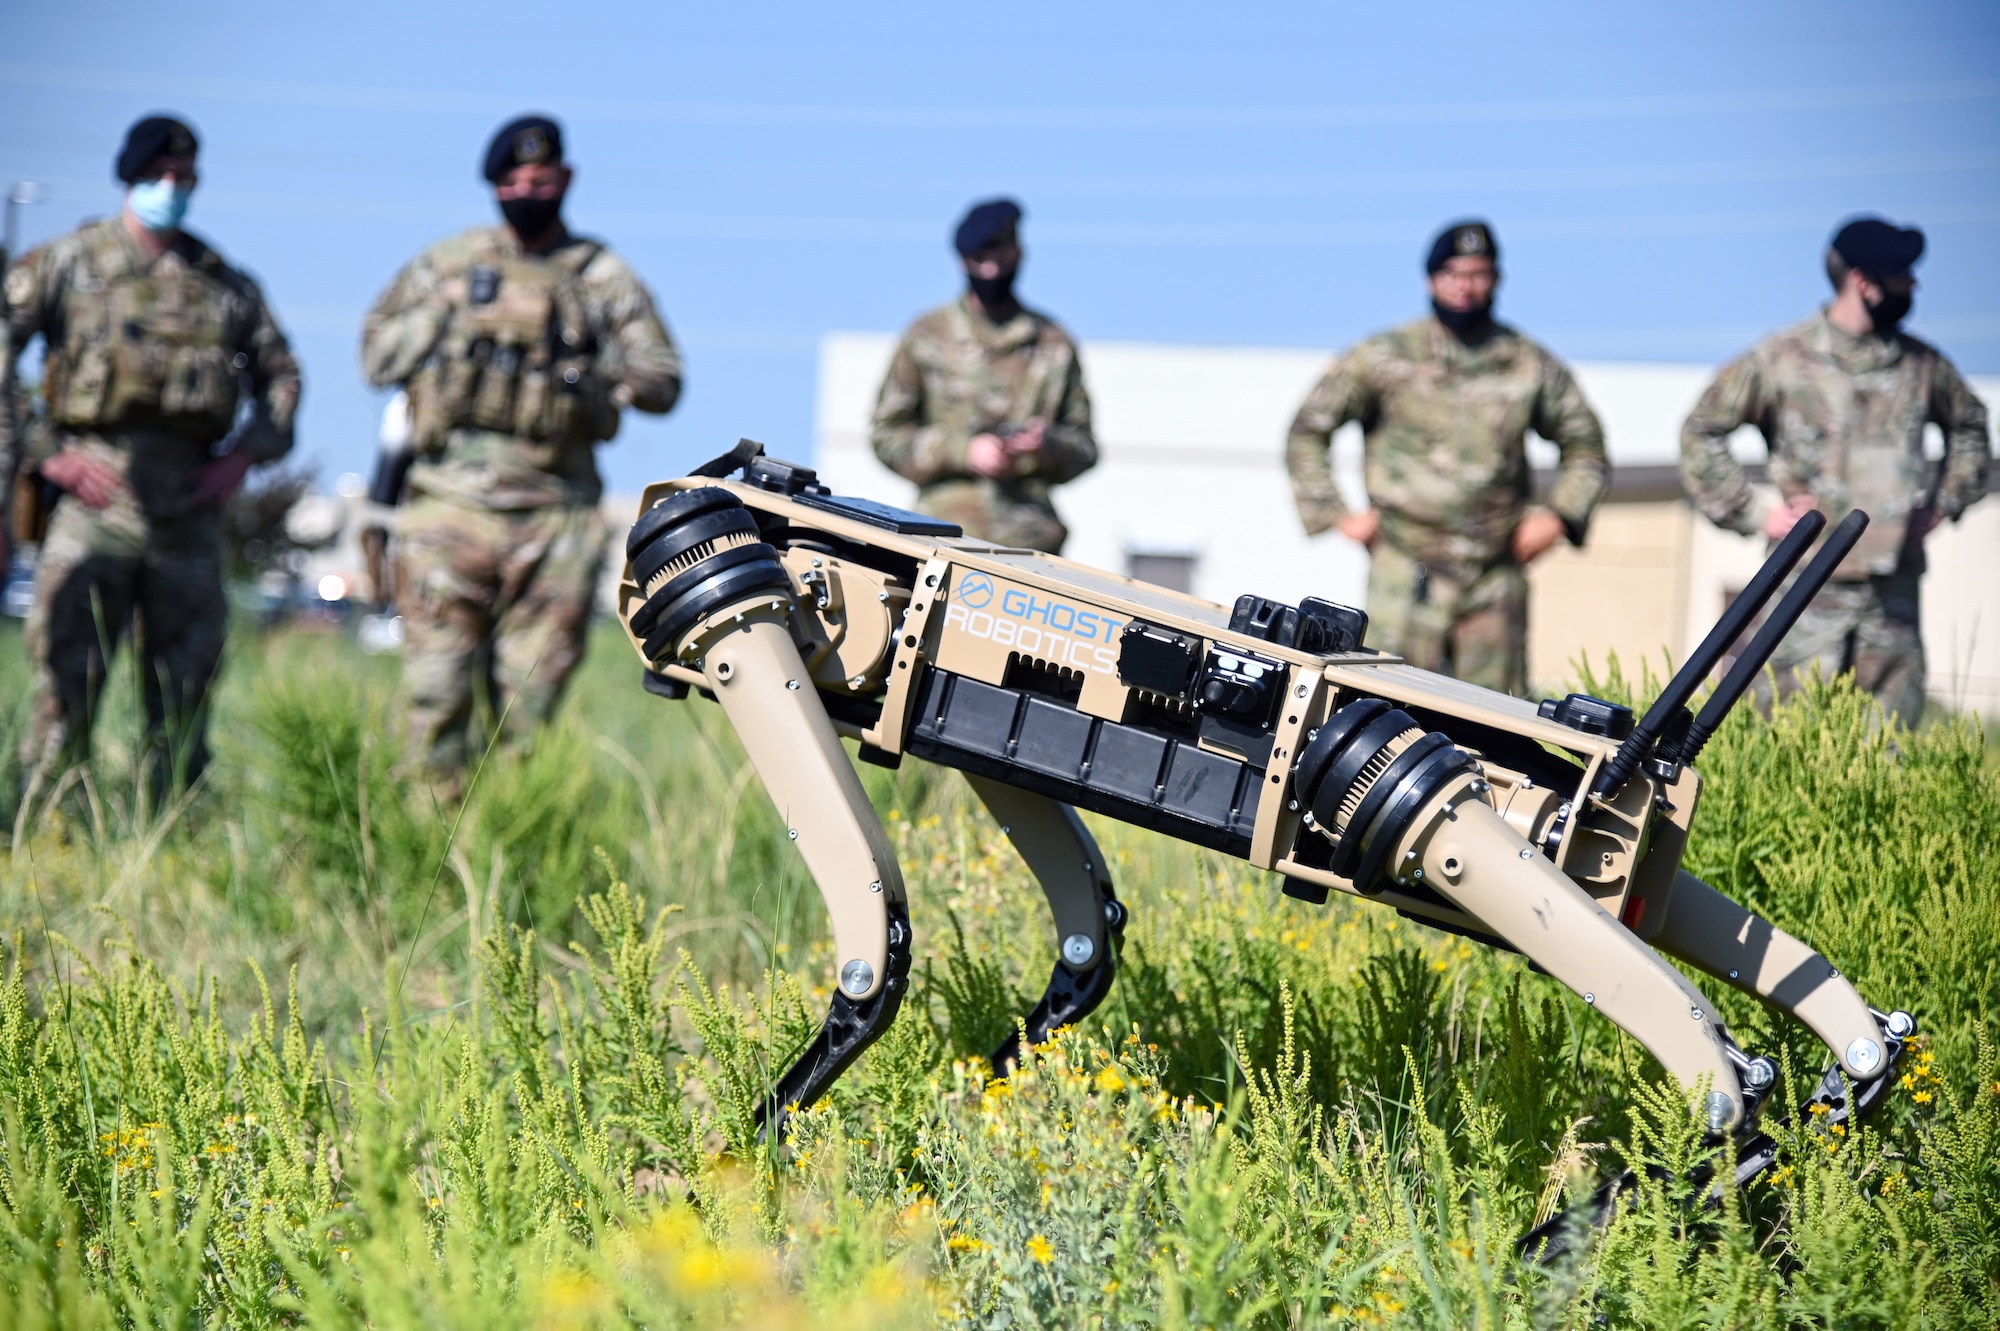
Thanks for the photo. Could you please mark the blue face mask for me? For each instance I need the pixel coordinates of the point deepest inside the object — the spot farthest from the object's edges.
(158, 204)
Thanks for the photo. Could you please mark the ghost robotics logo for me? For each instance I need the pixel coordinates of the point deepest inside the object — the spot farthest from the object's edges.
(975, 591)
(1047, 629)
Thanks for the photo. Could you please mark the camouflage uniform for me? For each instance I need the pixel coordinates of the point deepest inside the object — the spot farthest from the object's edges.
(146, 360)
(1843, 417)
(955, 375)
(502, 542)
(1444, 428)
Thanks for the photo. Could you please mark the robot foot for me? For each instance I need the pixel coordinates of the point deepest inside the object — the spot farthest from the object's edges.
(1835, 1100)
(1070, 997)
(851, 1026)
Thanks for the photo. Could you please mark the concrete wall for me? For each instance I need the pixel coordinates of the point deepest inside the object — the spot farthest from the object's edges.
(1192, 440)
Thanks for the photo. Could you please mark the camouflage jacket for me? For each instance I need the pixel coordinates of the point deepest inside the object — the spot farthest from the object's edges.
(955, 375)
(634, 354)
(1843, 418)
(147, 359)
(1444, 427)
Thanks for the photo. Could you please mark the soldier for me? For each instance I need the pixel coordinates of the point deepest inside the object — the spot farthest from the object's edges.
(1445, 404)
(984, 406)
(519, 345)
(152, 340)
(1842, 400)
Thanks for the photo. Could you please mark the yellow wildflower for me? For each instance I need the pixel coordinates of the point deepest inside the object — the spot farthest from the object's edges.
(1039, 1249)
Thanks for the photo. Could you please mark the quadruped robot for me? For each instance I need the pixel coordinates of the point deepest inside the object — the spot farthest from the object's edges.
(1264, 731)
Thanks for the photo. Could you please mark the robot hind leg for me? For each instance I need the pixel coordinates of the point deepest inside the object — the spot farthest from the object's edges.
(1090, 922)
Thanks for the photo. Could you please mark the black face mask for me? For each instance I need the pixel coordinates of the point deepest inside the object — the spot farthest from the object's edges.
(996, 294)
(1890, 311)
(531, 218)
(1466, 325)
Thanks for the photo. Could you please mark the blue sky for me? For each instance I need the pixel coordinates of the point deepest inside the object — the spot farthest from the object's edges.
(1662, 178)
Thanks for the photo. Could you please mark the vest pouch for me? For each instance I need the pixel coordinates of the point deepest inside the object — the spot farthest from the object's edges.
(200, 387)
(138, 374)
(438, 393)
(534, 402)
(490, 403)
(81, 385)
(564, 414)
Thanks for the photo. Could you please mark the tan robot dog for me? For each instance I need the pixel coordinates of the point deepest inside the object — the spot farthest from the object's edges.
(1265, 732)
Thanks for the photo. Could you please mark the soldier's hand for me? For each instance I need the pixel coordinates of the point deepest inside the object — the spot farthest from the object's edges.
(91, 481)
(987, 455)
(1028, 439)
(219, 479)
(1538, 530)
(1786, 516)
(1921, 523)
(1364, 527)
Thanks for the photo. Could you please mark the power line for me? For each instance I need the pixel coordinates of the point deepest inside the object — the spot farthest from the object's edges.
(486, 105)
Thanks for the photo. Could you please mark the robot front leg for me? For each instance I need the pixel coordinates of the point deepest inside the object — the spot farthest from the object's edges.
(1732, 942)
(719, 601)
(1064, 858)
(757, 675)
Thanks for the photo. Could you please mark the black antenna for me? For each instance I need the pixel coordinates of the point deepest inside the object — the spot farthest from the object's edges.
(1751, 663)
(1673, 699)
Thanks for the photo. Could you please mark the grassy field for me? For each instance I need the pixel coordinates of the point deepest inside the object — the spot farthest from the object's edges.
(303, 1050)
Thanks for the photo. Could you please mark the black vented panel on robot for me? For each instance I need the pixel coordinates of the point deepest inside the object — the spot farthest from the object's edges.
(1126, 772)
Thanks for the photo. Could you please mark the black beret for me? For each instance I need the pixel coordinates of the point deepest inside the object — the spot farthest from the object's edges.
(985, 224)
(1877, 247)
(1469, 239)
(155, 136)
(523, 142)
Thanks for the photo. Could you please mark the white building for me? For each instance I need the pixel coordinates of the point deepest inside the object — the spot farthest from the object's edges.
(1191, 491)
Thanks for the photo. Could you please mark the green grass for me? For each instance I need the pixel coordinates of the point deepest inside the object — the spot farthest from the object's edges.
(303, 1051)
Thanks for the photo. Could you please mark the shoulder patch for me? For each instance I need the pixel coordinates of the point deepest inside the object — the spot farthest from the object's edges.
(20, 284)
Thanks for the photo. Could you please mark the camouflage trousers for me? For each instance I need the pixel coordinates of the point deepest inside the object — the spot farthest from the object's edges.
(103, 573)
(1476, 631)
(1011, 514)
(495, 605)
(1870, 628)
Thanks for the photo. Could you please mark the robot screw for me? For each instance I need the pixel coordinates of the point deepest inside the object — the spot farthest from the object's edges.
(1760, 1073)
(856, 976)
(1864, 1055)
(1077, 949)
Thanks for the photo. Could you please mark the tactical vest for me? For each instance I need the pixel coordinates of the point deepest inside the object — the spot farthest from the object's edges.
(515, 356)
(147, 348)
